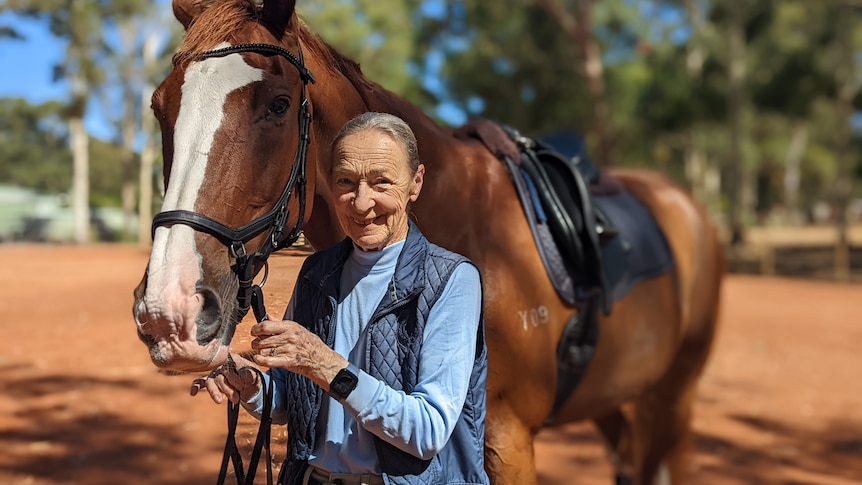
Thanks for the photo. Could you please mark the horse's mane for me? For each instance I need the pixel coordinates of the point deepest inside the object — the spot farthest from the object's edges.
(222, 21)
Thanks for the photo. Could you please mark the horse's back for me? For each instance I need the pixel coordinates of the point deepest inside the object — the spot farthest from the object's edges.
(693, 239)
(698, 263)
(663, 322)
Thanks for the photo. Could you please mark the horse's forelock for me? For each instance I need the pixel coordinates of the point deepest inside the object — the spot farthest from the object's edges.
(218, 23)
(221, 21)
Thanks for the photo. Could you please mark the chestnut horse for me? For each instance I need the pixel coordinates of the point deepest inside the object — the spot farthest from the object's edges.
(254, 97)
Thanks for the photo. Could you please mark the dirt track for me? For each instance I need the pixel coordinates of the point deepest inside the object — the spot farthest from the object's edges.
(781, 401)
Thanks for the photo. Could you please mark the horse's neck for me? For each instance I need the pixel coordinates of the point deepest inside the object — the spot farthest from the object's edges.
(444, 201)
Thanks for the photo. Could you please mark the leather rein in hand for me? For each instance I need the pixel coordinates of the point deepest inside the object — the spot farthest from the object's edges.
(250, 295)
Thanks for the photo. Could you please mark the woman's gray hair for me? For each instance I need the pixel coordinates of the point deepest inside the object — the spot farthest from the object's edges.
(395, 127)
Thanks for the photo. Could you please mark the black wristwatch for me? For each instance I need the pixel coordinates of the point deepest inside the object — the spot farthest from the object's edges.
(344, 382)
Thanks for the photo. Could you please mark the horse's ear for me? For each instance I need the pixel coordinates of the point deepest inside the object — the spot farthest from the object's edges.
(277, 14)
(186, 10)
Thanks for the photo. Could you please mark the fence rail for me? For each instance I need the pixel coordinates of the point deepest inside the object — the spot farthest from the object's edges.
(806, 251)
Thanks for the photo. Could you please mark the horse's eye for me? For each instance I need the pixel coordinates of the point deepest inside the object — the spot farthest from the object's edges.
(278, 107)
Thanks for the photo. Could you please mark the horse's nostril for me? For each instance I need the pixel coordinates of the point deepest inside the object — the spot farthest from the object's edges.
(139, 311)
(209, 319)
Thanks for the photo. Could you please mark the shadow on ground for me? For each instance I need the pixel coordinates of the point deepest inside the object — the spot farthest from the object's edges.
(795, 455)
(103, 442)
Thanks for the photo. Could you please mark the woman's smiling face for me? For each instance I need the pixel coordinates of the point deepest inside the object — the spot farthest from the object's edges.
(372, 186)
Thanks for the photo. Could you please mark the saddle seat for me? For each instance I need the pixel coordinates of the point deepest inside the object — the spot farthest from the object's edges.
(557, 193)
(595, 239)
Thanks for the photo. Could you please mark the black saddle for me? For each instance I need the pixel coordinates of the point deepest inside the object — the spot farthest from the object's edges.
(596, 240)
(561, 185)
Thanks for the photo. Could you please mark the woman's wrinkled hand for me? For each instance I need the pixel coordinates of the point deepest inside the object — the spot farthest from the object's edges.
(237, 381)
(291, 346)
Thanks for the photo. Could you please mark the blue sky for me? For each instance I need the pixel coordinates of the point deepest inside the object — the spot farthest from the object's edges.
(27, 64)
(27, 69)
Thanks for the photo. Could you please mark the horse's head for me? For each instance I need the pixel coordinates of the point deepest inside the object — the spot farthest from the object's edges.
(234, 121)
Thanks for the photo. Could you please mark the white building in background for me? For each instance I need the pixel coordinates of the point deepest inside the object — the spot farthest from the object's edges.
(26, 215)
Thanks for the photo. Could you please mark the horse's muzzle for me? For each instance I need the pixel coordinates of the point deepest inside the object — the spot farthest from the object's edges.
(184, 335)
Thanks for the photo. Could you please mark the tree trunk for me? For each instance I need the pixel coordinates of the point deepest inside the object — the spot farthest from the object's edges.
(80, 179)
(695, 165)
(128, 190)
(129, 129)
(148, 151)
(736, 168)
(848, 88)
(792, 170)
(80, 145)
(695, 158)
(145, 180)
(579, 28)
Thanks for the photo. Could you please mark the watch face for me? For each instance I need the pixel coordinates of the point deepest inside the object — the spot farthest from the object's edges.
(343, 384)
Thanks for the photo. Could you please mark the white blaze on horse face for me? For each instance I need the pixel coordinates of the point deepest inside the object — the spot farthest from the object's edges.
(175, 264)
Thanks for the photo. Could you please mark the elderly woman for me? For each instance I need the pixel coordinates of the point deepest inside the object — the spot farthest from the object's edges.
(379, 365)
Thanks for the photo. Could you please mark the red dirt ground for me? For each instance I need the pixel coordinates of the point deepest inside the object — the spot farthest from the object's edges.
(780, 403)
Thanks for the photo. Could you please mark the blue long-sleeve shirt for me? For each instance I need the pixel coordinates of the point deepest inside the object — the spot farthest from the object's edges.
(419, 423)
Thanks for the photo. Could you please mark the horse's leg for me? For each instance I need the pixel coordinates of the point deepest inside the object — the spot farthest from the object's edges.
(662, 421)
(617, 431)
(509, 458)
(649, 448)
(663, 415)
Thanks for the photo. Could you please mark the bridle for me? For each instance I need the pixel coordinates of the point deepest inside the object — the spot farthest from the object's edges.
(250, 295)
(275, 219)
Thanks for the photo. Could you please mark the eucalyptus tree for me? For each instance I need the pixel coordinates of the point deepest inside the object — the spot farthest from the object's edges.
(34, 149)
(702, 172)
(806, 70)
(741, 189)
(35, 153)
(82, 24)
(791, 75)
(507, 61)
(683, 106)
(140, 58)
(844, 51)
(372, 33)
(719, 58)
(152, 59)
(548, 65)
(575, 18)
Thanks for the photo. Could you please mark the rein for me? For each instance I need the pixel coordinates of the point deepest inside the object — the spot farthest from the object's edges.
(250, 295)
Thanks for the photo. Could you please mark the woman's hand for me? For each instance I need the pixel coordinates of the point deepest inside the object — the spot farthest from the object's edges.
(235, 380)
(291, 346)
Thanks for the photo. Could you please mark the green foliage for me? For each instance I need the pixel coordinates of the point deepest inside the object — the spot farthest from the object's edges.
(105, 173)
(507, 61)
(34, 146)
(372, 33)
(34, 153)
(513, 62)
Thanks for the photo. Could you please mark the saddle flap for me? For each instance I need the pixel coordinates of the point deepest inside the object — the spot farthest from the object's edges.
(564, 194)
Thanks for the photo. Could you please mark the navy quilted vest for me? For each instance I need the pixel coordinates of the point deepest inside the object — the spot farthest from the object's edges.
(396, 331)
